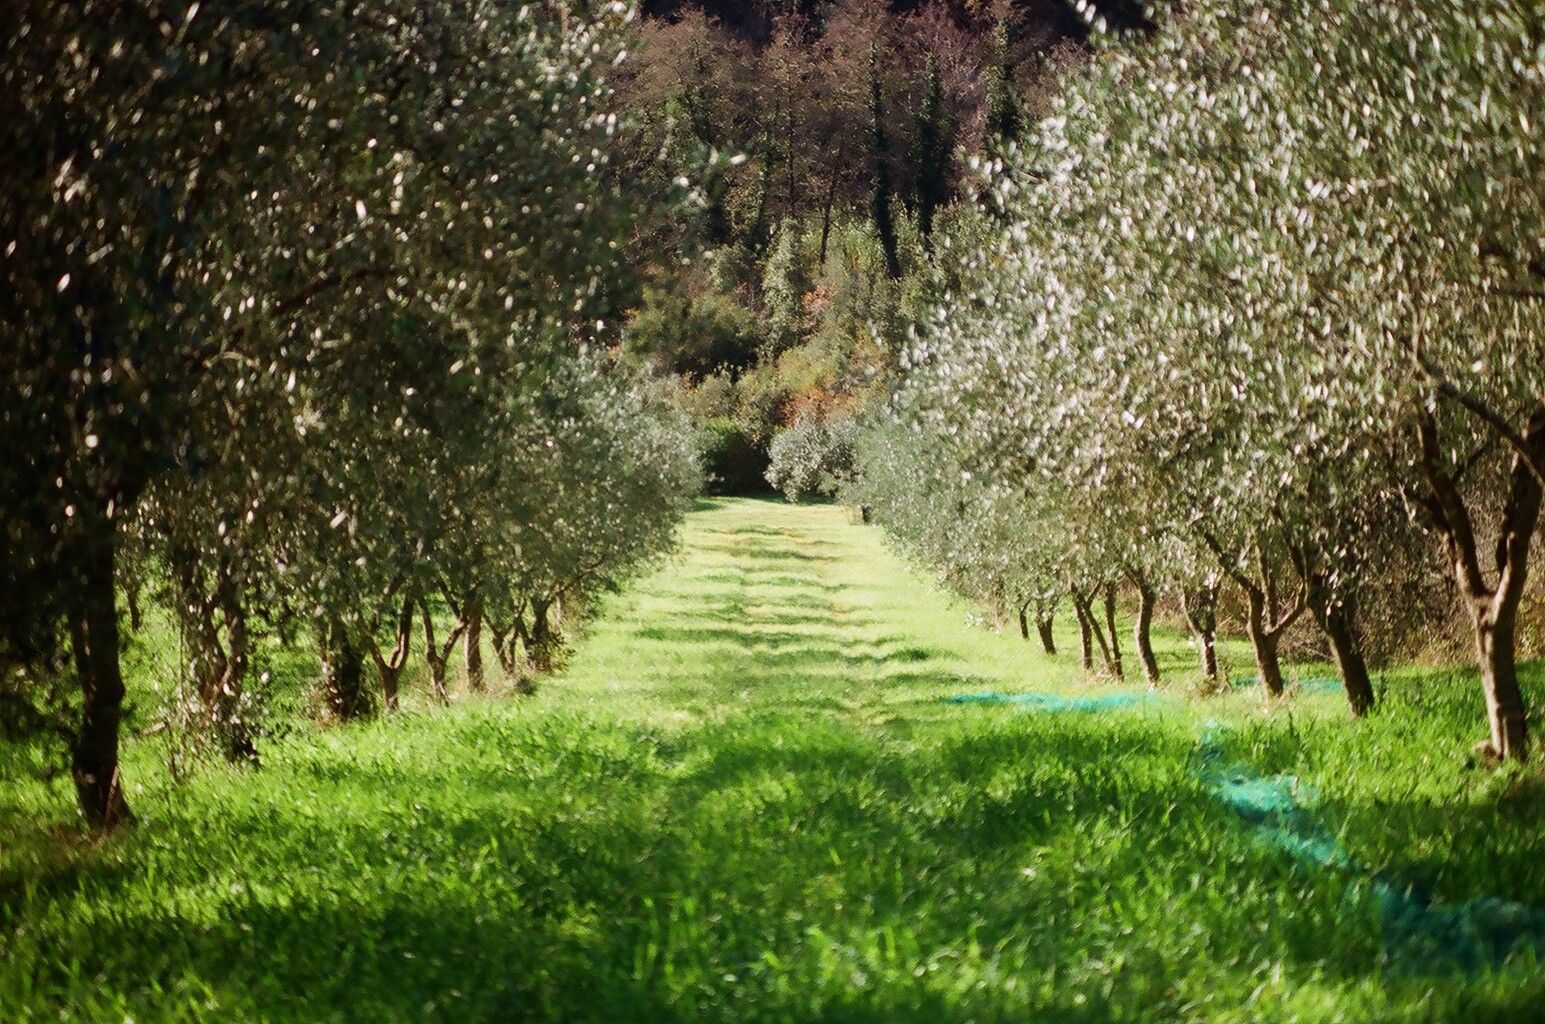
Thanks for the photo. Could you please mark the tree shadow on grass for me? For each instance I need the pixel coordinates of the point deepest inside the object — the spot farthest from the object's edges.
(716, 880)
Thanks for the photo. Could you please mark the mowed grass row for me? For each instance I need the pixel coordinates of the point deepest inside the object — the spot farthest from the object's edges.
(744, 801)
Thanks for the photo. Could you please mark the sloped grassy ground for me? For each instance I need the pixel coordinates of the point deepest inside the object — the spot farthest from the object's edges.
(744, 801)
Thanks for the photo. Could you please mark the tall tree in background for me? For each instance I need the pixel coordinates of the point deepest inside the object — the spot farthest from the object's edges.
(1003, 116)
(881, 191)
(931, 160)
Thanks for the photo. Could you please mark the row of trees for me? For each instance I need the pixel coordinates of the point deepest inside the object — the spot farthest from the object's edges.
(1259, 302)
(305, 308)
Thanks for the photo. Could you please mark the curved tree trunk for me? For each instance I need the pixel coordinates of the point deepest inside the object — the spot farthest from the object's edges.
(1493, 607)
(1142, 633)
(1336, 615)
(213, 626)
(96, 648)
(437, 654)
(1268, 665)
(1113, 659)
(389, 666)
(1200, 605)
(1091, 630)
(1265, 619)
(229, 687)
(1085, 636)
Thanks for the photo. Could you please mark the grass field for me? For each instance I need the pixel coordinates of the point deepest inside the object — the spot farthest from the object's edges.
(743, 800)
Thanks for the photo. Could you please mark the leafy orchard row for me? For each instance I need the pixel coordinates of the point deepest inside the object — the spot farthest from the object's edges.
(1260, 300)
(307, 311)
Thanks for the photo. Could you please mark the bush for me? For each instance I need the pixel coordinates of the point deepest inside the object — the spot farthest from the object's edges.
(812, 457)
(734, 461)
(695, 335)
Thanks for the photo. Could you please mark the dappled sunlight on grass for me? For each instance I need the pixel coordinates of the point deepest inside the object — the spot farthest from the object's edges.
(744, 799)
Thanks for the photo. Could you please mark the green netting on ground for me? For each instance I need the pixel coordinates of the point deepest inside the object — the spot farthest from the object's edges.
(1420, 935)
(1050, 702)
(1313, 684)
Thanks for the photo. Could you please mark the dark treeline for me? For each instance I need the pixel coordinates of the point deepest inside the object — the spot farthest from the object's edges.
(825, 143)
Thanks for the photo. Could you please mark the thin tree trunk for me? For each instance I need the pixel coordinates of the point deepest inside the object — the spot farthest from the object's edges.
(1268, 665)
(1263, 623)
(218, 663)
(1085, 640)
(1024, 621)
(1142, 633)
(826, 220)
(472, 644)
(505, 646)
(1048, 642)
(1110, 624)
(1200, 605)
(389, 666)
(503, 642)
(96, 648)
(236, 732)
(504, 650)
(1090, 625)
(438, 655)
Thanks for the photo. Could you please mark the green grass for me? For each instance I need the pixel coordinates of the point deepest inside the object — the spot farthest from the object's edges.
(743, 801)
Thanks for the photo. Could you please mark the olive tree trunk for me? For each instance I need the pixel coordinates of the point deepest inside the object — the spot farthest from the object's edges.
(472, 644)
(1492, 604)
(1339, 625)
(96, 648)
(1142, 629)
(1200, 605)
(437, 654)
(1263, 641)
(343, 673)
(389, 665)
(544, 640)
(1336, 615)
(1265, 620)
(212, 621)
(1085, 635)
(1113, 661)
(1043, 627)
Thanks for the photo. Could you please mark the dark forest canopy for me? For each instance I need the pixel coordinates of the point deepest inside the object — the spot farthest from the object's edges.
(755, 19)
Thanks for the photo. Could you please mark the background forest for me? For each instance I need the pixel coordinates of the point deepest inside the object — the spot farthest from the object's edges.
(827, 142)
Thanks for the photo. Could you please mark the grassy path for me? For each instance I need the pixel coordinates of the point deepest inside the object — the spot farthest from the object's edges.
(744, 801)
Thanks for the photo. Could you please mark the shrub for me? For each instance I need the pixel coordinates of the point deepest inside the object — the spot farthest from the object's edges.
(695, 334)
(812, 457)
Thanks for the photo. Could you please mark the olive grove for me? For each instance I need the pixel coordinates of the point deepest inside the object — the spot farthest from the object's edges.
(304, 308)
(1263, 297)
